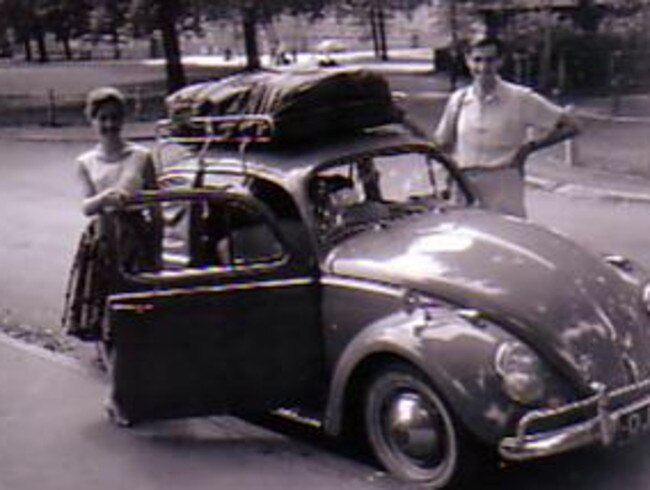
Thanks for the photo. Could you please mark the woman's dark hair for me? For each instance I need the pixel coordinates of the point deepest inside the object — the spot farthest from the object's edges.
(103, 95)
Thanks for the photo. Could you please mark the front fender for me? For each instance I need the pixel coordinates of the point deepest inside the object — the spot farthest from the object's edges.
(455, 353)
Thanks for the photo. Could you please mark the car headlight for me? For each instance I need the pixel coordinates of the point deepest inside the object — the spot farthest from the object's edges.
(521, 372)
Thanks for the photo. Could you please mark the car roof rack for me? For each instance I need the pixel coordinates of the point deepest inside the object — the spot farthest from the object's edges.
(206, 130)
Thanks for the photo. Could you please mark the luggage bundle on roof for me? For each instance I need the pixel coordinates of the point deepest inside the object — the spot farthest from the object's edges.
(297, 105)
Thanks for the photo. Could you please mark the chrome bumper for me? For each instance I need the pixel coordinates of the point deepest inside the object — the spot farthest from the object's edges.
(594, 420)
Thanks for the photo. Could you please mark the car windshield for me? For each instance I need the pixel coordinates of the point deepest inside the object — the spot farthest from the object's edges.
(375, 189)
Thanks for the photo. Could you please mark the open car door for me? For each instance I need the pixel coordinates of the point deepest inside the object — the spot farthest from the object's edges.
(227, 321)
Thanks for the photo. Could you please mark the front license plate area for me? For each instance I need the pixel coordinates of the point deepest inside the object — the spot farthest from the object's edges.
(632, 424)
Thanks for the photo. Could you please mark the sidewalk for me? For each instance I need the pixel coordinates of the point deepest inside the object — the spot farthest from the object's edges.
(552, 174)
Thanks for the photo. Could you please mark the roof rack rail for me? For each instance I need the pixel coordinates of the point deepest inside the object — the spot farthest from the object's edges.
(204, 130)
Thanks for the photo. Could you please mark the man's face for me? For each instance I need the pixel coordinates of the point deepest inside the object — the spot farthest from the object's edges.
(483, 62)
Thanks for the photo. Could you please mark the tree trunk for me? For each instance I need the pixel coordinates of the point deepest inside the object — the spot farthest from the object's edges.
(374, 31)
(41, 46)
(381, 31)
(587, 16)
(173, 64)
(117, 53)
(544, 78)
(65, 40)
(27, 44)
(249, 19)
(455, 54)
(154, 46)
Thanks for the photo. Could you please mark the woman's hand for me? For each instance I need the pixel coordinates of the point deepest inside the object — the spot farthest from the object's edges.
(113, 198)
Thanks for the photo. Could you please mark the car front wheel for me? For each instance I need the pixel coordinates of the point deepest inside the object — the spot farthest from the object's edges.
(413, 433)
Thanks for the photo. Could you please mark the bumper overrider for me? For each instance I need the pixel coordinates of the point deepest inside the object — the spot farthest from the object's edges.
(605, 418)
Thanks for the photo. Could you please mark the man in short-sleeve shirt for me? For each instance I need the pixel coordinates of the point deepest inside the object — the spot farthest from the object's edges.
(492, 126)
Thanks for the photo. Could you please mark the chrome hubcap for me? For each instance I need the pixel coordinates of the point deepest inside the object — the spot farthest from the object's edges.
(414, 429)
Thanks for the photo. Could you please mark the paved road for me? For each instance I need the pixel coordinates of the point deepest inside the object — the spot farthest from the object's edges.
(39, 224)
(603, 226)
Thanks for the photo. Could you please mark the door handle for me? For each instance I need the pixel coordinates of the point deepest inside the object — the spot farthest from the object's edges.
(137, 308)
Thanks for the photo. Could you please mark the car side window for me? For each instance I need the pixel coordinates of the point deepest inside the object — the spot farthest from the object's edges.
(414, 176)
(243, 237)
(199, 234)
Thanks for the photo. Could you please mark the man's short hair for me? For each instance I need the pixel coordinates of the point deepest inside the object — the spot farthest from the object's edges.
(483, 40)
(103, 95)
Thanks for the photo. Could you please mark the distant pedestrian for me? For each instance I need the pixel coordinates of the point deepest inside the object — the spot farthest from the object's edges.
(492, 126)
(107, 174)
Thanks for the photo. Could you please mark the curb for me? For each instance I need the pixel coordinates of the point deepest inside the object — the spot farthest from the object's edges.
(581, 191)
(589, 192)
(541, 183)
(42, 352)
(587, 114)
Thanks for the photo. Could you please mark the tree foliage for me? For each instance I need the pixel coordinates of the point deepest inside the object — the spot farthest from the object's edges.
(253, 13)
(30, 20)
(148, 15)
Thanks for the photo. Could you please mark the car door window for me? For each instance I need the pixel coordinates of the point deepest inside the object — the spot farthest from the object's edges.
(196, 234)
(247, 239)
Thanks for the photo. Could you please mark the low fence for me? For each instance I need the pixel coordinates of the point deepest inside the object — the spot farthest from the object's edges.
(53, 108)
(592, 71)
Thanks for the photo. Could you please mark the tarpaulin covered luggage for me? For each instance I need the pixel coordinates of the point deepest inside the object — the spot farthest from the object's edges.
(302, 104)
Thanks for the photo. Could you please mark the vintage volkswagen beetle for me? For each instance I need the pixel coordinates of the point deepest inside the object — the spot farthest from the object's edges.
(339, 281)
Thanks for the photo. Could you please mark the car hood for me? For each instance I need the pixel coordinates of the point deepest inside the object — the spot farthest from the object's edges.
(582, 314)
